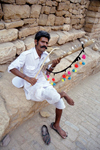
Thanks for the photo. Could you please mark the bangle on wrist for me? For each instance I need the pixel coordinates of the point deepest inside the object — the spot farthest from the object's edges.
(52, 67)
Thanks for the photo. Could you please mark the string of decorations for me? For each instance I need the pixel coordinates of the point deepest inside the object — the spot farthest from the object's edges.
(64, 76)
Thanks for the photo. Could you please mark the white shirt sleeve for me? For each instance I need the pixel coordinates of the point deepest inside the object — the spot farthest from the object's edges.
(18, 63)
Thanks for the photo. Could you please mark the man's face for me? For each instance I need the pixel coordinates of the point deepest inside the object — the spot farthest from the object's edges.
(42, 44)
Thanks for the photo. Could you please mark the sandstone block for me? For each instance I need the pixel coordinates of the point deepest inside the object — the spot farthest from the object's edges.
(41, 1)
(16, 11)
(45, 28)
(8, 35)
(1, 12)
(32, 2)
(67, 20)
(43, 19)
(54, 3)
(14, 24)
(53, 10)
(49, 3)
(59, 21)
(20, 2)
(61, 6)
(45, 10)
(35, 11)
(60, 13)
(25, 31)
(58, 0)
(93, 14)
(51, 20)
(30, 21)
(91, 20)
(56, 28)
(29, 43)
(1, 25)
(75, 21)
(20, 47)
(66, 27)
(77, 27)
(54, 39)
(97, 3)
(7, 52)
(6, 1)
(4, 117)
(62, 38)
(18, 108)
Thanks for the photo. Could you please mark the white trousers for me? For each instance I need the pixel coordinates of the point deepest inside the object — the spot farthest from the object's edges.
(49, 93)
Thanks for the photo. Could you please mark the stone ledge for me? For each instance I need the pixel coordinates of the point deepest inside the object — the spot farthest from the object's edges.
(17, 109)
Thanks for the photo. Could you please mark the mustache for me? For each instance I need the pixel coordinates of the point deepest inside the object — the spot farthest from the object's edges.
(44, 47)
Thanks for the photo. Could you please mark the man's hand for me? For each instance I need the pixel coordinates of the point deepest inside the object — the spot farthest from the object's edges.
(32, 81)
(55, 62)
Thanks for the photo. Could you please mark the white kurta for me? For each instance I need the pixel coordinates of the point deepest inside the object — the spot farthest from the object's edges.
(30, 62)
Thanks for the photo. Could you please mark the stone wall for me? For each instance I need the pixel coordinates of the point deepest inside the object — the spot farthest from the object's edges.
(92, 26)
(21, 19)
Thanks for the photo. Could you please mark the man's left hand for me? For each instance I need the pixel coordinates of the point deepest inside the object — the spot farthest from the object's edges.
(55, 62)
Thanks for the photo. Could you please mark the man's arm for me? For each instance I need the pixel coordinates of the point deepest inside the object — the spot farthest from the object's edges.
(16, 72)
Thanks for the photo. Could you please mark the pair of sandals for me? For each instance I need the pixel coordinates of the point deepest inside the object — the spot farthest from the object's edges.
(45, 133)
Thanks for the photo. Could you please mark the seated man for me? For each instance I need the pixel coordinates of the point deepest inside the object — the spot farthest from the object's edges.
(39, 89)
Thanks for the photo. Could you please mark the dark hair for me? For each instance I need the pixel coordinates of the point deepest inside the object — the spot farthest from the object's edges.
(42, 34)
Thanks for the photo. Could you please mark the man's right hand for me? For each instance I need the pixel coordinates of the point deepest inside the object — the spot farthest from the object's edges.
(32, 81)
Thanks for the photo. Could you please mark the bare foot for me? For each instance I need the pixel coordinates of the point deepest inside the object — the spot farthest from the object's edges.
(67, 98)
(60, 131)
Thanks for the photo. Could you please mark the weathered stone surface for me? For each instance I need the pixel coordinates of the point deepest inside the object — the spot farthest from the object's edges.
(14, 24)
(52, 10)
(66, 27)
(44, 114)
(32, 2)
(1, 12)
(49, 3)
(59, 21)
(45, 10)
(20, 47)
(60, 13)
(67, 20)
(94, 8)
(91, 20)
(18, 108)
(97, 3)
(45, 28)
(61, 6)
(54, 39)
(51, 20)
(35, 11)
(7, 52)
(20, 2)
(8, 35)
(3, 68)
(27, 31)
(62, 37)
(56, 28)
(1, 25)
(41, 1)
(43, 19)
(29, 43)
(93, 14)
(4, 119)
(30, 21)
(6, 1)
(16, 11)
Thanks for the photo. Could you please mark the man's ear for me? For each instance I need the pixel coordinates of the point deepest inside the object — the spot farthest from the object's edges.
(35, 42)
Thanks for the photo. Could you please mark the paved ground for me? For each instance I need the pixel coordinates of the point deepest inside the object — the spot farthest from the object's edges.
(81, 121)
